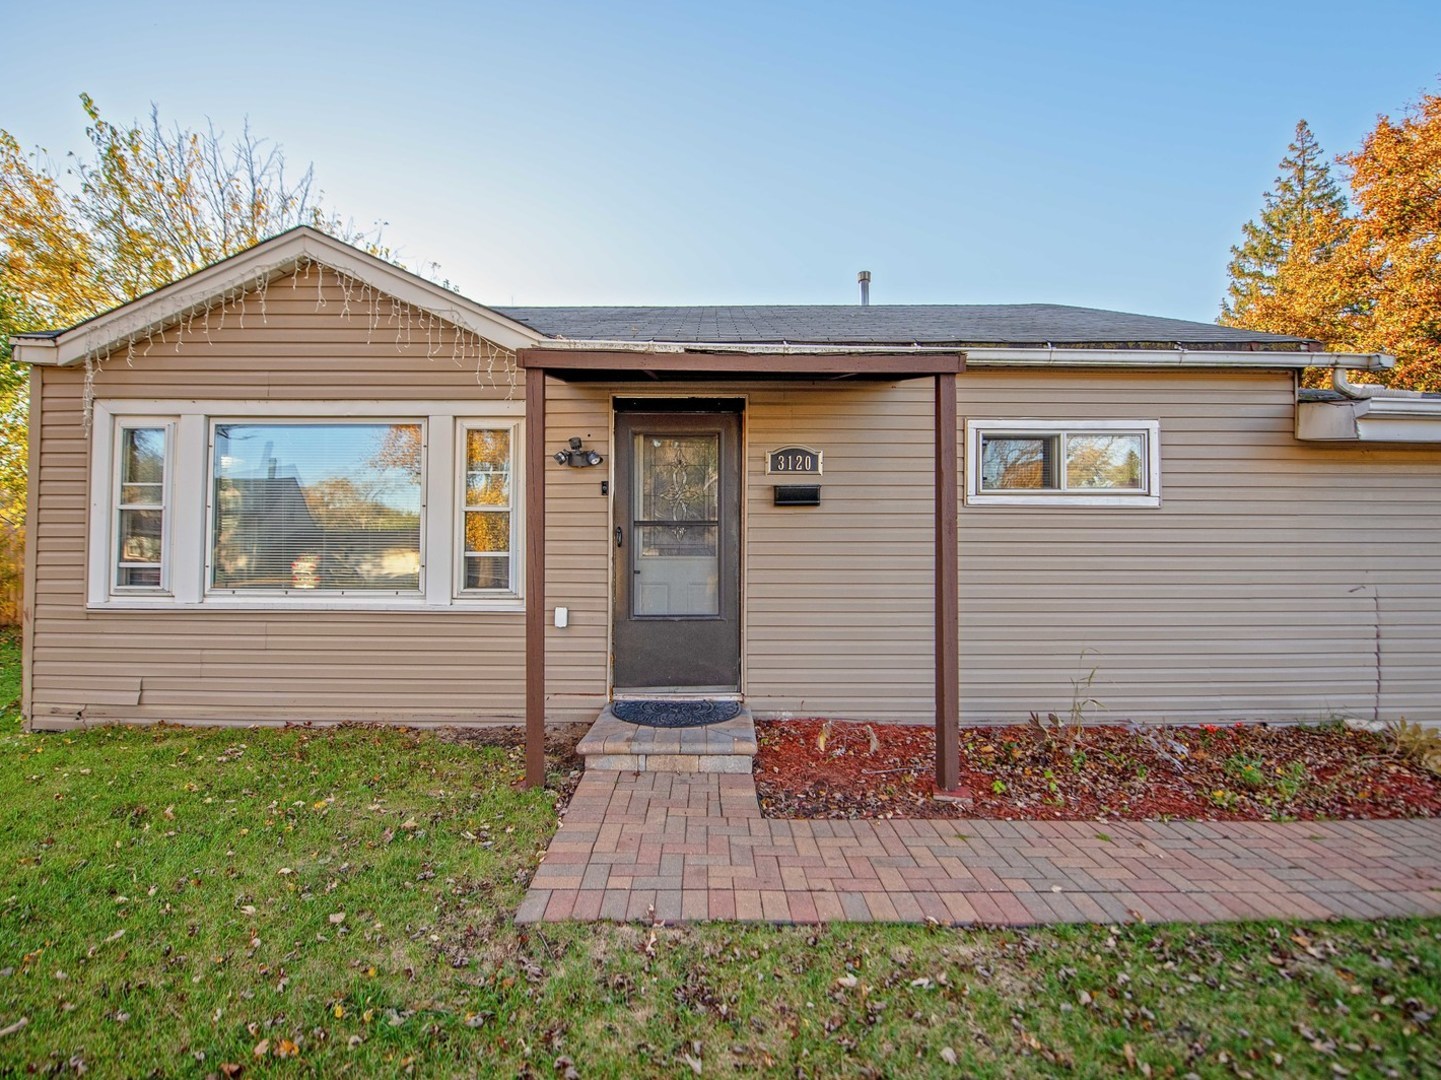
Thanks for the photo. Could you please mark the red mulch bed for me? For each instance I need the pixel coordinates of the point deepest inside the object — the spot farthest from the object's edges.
(1210, 772)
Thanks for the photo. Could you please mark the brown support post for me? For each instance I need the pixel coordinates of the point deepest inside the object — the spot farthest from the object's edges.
(534, 577)
(948, 651)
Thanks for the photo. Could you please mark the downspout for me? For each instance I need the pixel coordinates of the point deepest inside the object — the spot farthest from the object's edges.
(1366, 391)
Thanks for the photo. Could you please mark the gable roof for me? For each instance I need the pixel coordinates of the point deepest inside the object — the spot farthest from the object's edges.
(882, 325)
(249, 270)
(833, 326)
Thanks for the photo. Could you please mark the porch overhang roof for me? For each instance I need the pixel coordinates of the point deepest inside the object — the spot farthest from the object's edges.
(825, 364)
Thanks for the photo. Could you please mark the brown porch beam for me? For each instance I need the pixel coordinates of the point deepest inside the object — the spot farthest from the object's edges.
(535, 459)
(948, 652)
(620, 360)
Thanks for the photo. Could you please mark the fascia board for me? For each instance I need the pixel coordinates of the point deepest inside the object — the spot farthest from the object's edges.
(263, 262)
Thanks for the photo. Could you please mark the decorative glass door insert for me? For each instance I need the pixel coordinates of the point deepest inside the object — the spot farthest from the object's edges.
(677, 525)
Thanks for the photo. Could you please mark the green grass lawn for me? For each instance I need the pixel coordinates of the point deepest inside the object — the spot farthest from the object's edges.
(328, 902)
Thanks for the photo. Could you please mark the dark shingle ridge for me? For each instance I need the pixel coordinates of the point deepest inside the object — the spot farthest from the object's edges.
(884, 325)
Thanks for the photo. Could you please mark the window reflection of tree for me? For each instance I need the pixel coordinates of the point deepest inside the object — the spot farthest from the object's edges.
(1018, 463)
(1103, 461)
(358, 526)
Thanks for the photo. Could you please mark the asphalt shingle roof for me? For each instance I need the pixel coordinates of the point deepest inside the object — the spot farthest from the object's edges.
(880, 324)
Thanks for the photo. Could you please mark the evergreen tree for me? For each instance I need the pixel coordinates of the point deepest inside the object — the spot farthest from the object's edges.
(1361, 279)
(1303, 191)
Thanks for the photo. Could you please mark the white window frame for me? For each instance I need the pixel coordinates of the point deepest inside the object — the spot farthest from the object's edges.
(458, 568)
(111, 543)
(213, 422)
(186, 551)
(1148, 496)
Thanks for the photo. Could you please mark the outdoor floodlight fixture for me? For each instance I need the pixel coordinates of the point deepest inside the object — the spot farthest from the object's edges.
(576, 457)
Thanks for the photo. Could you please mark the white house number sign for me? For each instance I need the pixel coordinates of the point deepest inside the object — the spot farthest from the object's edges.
(794, 461)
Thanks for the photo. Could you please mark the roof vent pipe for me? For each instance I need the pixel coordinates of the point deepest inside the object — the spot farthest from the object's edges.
(864, 277)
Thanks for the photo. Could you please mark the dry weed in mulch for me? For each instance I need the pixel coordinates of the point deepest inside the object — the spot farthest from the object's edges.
(833, 769)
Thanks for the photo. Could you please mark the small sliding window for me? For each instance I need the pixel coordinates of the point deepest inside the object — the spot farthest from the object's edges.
(1063, 463)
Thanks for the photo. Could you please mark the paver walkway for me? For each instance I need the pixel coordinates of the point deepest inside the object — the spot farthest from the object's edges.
(692, 846)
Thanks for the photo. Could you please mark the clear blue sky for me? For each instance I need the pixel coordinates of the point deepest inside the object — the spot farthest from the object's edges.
(737, 152)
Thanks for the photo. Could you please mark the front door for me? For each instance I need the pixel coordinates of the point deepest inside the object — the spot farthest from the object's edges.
(677, 547)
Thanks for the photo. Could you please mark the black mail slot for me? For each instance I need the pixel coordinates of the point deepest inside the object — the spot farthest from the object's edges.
(798, 495)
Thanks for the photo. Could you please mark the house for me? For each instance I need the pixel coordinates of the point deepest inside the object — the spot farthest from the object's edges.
(303, 484)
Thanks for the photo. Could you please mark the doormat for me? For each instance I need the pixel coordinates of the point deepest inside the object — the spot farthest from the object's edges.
(674, 714)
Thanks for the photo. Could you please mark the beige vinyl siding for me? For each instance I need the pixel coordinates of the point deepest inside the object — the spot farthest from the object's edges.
(837, 598)
(1278, 580)
(577, 556)
(1265, 586)
(239, 666)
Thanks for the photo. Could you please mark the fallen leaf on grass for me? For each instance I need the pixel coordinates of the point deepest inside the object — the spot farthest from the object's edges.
(261, 1048)
(11, 1029)
(949, 1056)
(337, 918)
(848, 981)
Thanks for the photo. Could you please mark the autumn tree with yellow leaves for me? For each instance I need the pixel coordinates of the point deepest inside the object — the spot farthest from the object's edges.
(1363, 277)
(145, 205)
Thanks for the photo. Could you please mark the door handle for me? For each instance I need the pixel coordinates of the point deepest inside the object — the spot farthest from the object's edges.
(618, 535)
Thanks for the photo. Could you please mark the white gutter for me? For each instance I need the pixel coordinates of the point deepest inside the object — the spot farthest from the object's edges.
(1179, 357)
(1009, 357)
